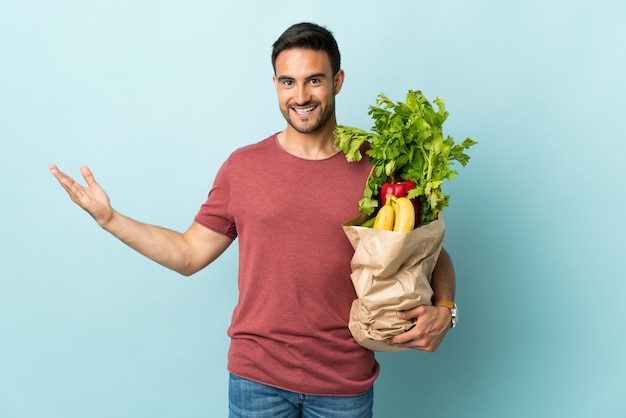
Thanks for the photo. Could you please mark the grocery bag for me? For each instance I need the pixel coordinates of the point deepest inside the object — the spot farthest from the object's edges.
(391, 271)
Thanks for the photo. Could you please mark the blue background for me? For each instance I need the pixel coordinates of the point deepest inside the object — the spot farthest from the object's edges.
(153, 95)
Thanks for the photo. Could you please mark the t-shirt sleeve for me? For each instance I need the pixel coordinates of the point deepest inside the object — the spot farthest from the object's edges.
(214, 214)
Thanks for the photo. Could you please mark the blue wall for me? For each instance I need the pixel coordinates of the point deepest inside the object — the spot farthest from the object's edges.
(153, 95)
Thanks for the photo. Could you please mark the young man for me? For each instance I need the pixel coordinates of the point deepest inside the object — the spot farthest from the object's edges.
(291, 352)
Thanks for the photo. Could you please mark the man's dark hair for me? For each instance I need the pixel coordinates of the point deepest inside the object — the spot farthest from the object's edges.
(308, 36)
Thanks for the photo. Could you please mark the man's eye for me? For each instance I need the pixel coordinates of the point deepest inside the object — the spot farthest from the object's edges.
(287, 83)
(314, 81)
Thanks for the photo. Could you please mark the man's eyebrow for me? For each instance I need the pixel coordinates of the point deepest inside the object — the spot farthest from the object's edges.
(310, 77)
(316, 75)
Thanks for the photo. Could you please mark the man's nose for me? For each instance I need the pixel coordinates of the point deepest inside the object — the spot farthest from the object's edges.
(303, 95)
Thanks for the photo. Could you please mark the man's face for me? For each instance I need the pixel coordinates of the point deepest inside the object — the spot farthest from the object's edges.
(306, 88)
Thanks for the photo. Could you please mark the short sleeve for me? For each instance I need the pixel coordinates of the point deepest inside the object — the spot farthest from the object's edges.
(214, 213)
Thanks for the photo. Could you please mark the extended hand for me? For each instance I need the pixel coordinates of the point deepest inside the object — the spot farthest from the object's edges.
(431, 326)
(92, 198)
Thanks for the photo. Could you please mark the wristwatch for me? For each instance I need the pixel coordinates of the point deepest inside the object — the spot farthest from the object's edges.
(453, 311)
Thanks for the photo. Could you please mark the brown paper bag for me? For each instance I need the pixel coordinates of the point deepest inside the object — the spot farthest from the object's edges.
(391, 272)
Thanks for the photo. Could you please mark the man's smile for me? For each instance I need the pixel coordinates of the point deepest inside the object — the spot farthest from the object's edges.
(304, 111)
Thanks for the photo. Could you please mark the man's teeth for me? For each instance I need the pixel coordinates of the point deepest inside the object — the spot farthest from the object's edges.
(305, 111)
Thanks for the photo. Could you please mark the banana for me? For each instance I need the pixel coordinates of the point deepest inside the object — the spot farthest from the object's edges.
(385, 217)
(397, 214)
(404, 216)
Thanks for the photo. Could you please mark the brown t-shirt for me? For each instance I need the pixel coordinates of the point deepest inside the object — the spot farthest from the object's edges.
(289, 328)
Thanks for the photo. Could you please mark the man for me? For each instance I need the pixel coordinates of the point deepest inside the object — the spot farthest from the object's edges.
(284, 199)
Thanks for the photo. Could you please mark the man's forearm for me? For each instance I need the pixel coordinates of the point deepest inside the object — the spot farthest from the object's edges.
(443, 280)
(164, 246)
(185, 253)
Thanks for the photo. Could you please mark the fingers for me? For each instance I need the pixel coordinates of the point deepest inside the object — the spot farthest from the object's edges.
(413, 334)
(73, 189)
(428, 332)
(411, 313)
(65, 180)
(55, 171)
(416, 340)
(87, 175)
(69, 182)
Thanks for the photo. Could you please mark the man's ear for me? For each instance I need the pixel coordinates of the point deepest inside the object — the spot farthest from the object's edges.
(338, 81)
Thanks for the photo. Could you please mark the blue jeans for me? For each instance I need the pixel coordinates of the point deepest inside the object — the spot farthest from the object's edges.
(249, 399)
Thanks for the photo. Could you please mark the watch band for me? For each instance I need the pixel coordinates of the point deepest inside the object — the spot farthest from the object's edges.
(453, 310)
(447, 303)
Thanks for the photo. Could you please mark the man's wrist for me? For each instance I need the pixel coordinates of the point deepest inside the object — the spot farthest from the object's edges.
(453, 310)
(444, 302)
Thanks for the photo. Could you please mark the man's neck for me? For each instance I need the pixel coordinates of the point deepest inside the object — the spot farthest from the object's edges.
(312, 146)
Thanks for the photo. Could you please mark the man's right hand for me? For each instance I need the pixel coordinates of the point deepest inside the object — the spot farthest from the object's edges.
(92, 198)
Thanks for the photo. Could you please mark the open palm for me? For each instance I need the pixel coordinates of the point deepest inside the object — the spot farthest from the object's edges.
(92, 198)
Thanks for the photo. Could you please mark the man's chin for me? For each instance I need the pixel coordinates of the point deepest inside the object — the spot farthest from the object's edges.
(304, 128)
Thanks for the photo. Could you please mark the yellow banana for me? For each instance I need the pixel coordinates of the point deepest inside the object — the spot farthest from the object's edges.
(385, 217)
(404, 216)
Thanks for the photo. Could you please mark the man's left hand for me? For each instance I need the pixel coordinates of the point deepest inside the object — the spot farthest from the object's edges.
(431, 325)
